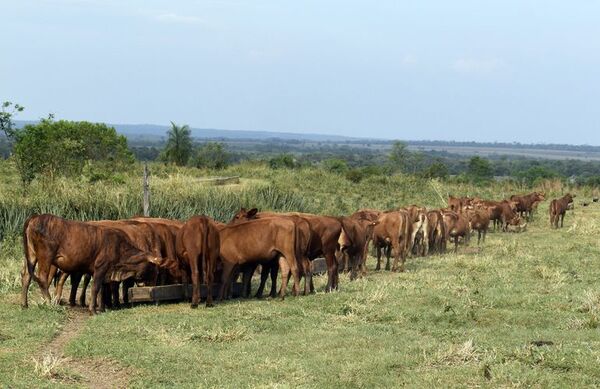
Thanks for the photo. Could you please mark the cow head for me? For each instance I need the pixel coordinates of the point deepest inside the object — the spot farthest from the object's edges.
(244, 214)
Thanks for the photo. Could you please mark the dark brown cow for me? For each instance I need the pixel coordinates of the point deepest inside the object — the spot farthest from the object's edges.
(436, 231)
(257, 241)
(326, 228)
(525, 203)
(501, 213)
(558, 208)
(197, 245)
(392, 233)
(77, 247)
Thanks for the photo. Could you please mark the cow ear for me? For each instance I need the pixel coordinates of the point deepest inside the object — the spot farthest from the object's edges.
(252, 212)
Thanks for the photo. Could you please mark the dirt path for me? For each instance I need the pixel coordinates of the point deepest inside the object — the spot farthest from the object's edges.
(91, 372)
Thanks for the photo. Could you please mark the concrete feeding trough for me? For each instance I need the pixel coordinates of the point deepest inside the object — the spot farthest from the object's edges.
(174, 292)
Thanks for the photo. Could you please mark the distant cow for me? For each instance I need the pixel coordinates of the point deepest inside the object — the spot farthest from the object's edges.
(77, 247)
(558, 208)
(525, 203)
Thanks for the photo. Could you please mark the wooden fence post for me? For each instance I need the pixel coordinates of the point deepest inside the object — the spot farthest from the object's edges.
(146, 191)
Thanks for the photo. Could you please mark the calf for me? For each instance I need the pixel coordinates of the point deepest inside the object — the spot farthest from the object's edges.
(558, 208)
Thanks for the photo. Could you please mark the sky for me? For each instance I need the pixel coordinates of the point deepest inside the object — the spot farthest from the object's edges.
(509, 71)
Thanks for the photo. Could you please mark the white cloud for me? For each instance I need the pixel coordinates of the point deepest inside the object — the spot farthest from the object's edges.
(175, 18)
(477, 66)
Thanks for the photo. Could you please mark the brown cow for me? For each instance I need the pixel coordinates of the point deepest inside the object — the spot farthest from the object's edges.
(197, 245)
(479, 220)
(525, 203)
(353, 241)
(392, 233)
(436, 231)
(257, 241)
(418, 244)
(456, 226)
(558, 208)
(326, 228)
(500, 212)
(308, 241)
(78, 247)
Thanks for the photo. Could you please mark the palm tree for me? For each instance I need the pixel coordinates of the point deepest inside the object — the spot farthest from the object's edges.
(179, 144)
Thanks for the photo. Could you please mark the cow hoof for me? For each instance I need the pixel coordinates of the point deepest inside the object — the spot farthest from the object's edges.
(209, 305)
(194, 305)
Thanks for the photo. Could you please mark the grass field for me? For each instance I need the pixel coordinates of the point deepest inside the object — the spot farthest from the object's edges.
(524, 311)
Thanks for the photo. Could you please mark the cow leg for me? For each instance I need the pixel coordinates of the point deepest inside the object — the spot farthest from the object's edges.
(59, 287)
(106, 294)
(225, 278)
(332, 271)
(246, 280)
(127, 284)
(274, 270)
(396, 253)
(307, 275)
(195, 280)
(456, 244)
(562, 220)
(114, 289)
(285, 273)
(378, 266)
(75, 279)
(96, 289)
(264, 275)
(86, 282)
(44, 270)
(388, 254)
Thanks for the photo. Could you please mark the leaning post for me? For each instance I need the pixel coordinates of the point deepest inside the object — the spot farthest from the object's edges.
(146, 191)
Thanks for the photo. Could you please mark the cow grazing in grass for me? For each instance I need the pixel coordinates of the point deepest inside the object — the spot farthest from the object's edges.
(197, 245)
(78, 247)
(558, 208)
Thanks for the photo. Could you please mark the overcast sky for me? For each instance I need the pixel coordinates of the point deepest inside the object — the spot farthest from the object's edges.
(510, 70)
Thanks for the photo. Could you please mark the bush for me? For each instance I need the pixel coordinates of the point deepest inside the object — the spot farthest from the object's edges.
(283, 161)
(211, 155)
(336, 165)
(64, 148)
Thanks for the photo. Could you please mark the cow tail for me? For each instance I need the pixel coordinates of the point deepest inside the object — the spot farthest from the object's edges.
(28, 265)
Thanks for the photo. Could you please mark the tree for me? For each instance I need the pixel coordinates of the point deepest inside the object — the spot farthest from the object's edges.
(6, 115)
(436, 170)
(179, 145)
(211, 155)
(336, 165)
(64, 148)
(399, 155)
(480, 169)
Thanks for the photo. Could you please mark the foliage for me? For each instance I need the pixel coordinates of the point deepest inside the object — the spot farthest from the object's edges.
(63, 148)
(283, 161)
(7, 111)
(178, 149)
(211, 155)
(436, 170)
(536, 173)
(399, 155)
(480, 169)
(336, 165)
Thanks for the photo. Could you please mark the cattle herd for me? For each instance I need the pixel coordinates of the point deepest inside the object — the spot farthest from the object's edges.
(154, 251)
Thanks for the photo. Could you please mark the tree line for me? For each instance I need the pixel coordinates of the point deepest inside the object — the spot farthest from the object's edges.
(50, 148)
